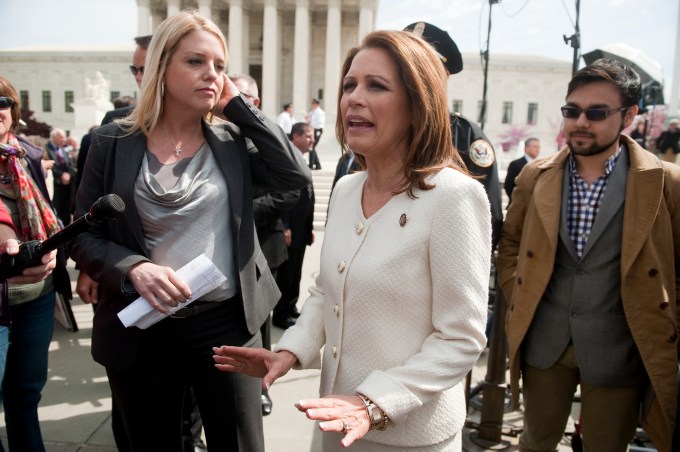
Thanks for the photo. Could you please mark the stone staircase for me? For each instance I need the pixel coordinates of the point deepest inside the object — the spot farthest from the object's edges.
(322, 180)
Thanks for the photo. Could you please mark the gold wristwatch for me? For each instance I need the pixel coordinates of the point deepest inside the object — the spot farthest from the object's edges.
(376, 416)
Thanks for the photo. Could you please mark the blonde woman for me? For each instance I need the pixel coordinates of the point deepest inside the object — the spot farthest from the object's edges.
(188, 188)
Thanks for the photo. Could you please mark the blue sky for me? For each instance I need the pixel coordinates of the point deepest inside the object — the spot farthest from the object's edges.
(530, 27)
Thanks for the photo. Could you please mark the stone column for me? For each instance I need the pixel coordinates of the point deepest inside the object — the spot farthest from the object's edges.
(156, 18)
(270, 59)
(235, 38)
(332, 80)
(301, 100)
(143, 18)
(366, 18)
(173, 7)
(205, 9)
(245, 45)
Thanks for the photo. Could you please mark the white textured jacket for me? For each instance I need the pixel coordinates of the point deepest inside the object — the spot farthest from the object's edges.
(400, 304)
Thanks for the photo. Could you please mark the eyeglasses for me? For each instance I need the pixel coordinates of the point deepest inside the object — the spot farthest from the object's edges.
(135, 70)
(592, 114)
(6, 102)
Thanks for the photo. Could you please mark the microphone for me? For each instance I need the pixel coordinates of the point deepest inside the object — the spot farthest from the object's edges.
(106, 208)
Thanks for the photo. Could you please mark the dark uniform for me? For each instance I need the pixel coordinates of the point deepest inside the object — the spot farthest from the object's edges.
(480, 159)
(472, 144)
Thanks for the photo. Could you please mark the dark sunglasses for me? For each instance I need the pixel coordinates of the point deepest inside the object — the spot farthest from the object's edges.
(135, 70)
(6, 102)
(592, 114)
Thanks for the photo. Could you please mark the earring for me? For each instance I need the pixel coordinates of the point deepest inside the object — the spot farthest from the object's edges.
(162, 89)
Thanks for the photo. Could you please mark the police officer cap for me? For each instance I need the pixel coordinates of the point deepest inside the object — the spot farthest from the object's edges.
(442, 43)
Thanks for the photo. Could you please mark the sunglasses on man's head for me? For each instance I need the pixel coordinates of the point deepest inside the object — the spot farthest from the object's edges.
(6, 102)
(135, 70)
(592, 114)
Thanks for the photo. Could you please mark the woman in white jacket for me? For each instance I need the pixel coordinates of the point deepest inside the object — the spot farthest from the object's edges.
(400, 302)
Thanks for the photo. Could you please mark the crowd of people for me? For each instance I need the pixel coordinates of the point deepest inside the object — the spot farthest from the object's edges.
(587, 255)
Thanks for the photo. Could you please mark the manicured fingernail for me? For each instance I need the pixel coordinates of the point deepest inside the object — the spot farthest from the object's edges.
(322, 425)
(301, 403)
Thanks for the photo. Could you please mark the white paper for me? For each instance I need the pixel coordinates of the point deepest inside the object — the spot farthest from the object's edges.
(200, 274)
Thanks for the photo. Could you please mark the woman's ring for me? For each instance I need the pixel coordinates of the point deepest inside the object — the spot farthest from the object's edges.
(346, 427)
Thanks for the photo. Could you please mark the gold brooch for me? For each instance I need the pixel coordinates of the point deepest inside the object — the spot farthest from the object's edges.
(402, 220)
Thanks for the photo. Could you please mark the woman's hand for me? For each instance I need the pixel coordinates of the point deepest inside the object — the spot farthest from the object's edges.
(339, 413)
(254, 362)
(228, 93)
(159, 286)
(30, 275)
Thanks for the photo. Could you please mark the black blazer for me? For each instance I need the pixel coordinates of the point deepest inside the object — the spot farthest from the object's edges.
(514, 169)
(106, 252)
(300, 219)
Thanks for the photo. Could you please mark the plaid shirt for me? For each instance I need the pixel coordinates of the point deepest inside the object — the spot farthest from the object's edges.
(583, 202)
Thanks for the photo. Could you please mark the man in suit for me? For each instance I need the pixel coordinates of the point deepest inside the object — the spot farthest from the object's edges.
(588, 262)
(268, 207)
(347, 164)
(532, 147)
(63, 173)
(298, 233)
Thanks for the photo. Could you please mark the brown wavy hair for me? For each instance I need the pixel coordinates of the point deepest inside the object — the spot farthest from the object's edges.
(430, 146)
(8, 90)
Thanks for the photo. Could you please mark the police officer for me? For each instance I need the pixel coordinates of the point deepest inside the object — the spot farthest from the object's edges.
(474, 147)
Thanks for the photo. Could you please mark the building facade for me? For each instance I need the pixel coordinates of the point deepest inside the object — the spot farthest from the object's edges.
(294, 49)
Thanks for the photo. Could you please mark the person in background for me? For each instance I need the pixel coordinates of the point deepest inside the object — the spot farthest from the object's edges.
(285, 118)
(268, 208)
(472, 144)
(668, 142)
(317, 119)
(298, 233)
(639, 134)
(28, 300)
(386, 266)
(63, 173)
(188, 187)
(532, 148)
(588, 263)
(347, 164)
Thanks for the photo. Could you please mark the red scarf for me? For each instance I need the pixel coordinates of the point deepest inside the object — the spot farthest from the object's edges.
(38, 221)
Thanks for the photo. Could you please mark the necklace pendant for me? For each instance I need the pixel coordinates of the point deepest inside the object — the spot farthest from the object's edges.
(178, 151)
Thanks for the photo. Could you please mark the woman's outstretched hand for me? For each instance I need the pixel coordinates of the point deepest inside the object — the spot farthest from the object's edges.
(338, 413)
(254, 362)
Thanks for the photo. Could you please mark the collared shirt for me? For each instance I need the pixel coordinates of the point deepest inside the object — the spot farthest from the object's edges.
(583, 201)
(317, 118)
(285, 120)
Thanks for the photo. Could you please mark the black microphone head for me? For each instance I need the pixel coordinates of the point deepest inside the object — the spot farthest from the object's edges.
(107, 207)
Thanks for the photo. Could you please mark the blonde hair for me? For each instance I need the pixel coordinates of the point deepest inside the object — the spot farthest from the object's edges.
(163, 44)
(430, 146)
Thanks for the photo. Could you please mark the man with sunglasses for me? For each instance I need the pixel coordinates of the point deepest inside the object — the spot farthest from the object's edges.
(588, 262)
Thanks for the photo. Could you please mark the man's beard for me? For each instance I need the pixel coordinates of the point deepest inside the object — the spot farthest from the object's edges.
(594, 148)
